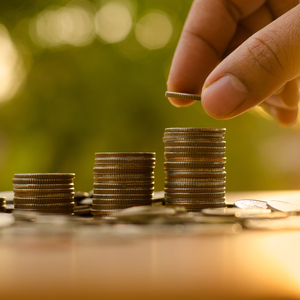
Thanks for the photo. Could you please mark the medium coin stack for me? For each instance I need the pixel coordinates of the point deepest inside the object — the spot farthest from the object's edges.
(122, 180)
(49, 193)
(195, 167)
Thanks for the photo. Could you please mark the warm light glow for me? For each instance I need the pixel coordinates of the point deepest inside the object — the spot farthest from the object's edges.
(259, 110)
(12, 72)
(113, 22)
(72, 24)
(154, 30)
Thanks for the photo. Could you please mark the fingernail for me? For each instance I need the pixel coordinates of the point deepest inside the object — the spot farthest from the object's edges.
(222, 97)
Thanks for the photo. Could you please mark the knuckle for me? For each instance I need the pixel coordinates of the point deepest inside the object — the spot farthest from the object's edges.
(263, 53)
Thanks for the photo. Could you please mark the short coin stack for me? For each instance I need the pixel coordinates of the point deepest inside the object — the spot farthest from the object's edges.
(49, 193)
(195, 167)
(122, 180)
(2, 204)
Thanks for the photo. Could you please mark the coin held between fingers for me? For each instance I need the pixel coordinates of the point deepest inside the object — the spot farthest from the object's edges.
(183, 96)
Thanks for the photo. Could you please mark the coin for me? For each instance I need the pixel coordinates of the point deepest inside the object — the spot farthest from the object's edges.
(277, 205)
(250, 203)
(126, 176)
(183, 96)
(194, 199)
(96, 212)
(147, 191)
(201, 205)
(196, 170)
(49, 195)
(234, 211)
(195, 184)
(194, 195)
(194, 164)
(125, 154)
(41, 181)
(218, 156)
(124, 165)
(44, 191)
(46, 175)
(113, 206)
(195, 129)
(217, 205)
(206, 136)
(44, 186)
(122, 201)
(45, 205)
(105, 170)
(195, 143)
(194, 190)
(82, 210)
(34, 200)
(47, 211)
(182, 138)
(192, 174)
(122, 196)
(193, 149)
(123, 185)
(273, 215)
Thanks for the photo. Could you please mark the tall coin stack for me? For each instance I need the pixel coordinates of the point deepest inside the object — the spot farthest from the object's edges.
(122, 180)
(49, 193)
(195, 167)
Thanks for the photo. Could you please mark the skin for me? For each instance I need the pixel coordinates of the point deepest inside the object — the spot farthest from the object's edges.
(238, 54)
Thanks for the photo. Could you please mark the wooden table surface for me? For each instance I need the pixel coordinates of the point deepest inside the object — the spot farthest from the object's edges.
(249, 265)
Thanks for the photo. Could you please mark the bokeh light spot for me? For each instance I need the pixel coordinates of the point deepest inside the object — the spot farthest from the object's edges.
(12, 71)
(72, 24)
(113, 22)
(154, 30)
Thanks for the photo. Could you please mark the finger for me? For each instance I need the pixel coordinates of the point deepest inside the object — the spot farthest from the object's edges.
(279, 7)
(256, 70)
(248, 26)
(285, 117)
(287, 97)
(207, 32)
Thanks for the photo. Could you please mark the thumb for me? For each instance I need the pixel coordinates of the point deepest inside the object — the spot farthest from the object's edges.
(256, 70)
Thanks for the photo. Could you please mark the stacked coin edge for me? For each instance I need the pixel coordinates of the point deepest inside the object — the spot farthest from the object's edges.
(47, 193)
(122, 180)
(195, 176)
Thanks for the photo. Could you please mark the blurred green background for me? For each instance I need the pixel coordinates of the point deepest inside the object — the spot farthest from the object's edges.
(84, 76)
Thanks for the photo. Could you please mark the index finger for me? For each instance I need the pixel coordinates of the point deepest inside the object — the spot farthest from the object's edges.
(207, 32)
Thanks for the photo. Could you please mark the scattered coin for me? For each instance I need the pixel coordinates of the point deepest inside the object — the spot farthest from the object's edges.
(250, 203)
(233, 211)
(277, 205)
(273, 215)
(142, 214)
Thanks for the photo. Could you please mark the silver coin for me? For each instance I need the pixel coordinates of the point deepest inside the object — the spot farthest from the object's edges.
(250, 203)
(277, 205)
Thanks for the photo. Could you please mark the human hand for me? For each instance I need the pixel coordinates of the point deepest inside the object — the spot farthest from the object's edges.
(239, 54)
